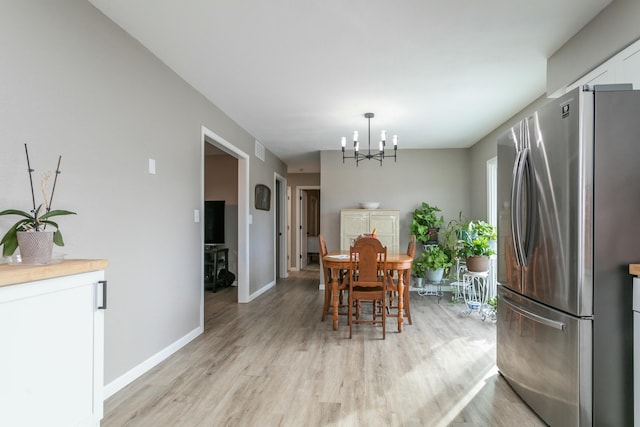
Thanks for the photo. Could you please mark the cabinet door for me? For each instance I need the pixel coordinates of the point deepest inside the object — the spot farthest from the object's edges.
(386, 224)
(48, 355)
(630, 66)
(352, 224)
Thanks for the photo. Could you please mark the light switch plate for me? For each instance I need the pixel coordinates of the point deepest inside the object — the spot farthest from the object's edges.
(152, 166)
(196, 215)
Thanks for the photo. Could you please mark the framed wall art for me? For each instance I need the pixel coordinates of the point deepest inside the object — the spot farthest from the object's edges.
(263, 197)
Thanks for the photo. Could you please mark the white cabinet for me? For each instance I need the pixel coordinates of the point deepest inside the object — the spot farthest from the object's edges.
(636, 351)
(354, 222)
(624, 67)
(52, 351)
(630, 65)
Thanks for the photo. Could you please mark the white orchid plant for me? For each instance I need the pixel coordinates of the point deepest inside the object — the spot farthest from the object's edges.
(38, 218)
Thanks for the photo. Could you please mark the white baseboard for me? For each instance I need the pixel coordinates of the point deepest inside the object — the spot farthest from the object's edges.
(262, 290)
(128, 377)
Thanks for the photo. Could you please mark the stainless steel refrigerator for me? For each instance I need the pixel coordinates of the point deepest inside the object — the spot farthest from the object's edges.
(569, 225)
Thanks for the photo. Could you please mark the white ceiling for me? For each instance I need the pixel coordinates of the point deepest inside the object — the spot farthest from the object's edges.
(299, 74)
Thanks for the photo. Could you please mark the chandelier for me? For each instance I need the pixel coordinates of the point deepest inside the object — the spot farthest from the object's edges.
(380, 155)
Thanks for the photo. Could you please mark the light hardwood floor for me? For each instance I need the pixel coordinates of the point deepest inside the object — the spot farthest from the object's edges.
(274, 363)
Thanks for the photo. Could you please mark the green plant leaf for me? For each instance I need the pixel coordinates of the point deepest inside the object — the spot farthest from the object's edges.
(57, 238)
(56, 213)
(9, 246)
(17, 212)
(9, 241)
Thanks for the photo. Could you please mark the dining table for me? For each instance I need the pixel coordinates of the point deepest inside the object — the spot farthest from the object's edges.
(338, 261)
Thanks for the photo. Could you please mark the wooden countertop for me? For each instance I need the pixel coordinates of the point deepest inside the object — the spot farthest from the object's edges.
(634, 269)
(13, 274)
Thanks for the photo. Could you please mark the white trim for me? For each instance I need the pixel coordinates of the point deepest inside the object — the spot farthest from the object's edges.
(137, 371)
(289, 228)
(243, 277)
(492, 191)
(282, 208)
(261, 291)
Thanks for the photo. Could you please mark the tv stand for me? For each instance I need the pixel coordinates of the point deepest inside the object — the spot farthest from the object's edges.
(215, 259)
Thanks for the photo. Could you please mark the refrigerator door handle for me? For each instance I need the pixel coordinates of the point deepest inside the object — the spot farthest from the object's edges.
(532, 208)
(532, 316)
(516, 209)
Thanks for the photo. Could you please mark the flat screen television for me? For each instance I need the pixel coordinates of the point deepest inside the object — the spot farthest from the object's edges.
(214, 222)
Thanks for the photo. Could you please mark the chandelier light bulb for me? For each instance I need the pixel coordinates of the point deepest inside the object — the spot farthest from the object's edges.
(383, 135)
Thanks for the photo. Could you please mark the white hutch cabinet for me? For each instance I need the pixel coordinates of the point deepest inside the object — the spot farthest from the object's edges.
(354, 222)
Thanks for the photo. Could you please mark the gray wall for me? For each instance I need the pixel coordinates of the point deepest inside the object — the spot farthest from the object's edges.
(262, 232)
(439, 177)
(73, 83)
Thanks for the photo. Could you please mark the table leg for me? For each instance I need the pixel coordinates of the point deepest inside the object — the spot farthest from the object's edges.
(334, 288)
(400, 299)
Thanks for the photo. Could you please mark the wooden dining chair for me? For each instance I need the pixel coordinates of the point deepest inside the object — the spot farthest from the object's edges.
(328, 291)
(393, 287)
(368, 279)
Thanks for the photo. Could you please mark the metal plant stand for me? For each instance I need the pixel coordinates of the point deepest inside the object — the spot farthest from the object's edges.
(475, 290)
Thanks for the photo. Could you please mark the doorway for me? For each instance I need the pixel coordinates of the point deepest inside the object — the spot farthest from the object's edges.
(210, 140)
(308, 219)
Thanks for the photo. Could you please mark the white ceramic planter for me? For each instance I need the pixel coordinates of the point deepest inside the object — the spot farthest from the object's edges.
(35, 246)
(434, 275)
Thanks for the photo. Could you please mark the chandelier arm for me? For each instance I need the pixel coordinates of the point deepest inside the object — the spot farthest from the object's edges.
(379, 156)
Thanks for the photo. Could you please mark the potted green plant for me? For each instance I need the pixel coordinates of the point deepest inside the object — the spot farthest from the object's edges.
(30, 231)
(425, 223)
(435, 262)
(452, 235)
(418, 269)
(477, 245)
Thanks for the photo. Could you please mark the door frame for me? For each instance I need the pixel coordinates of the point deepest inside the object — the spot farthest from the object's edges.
(210, 137)
(299, 190)
(280, 226)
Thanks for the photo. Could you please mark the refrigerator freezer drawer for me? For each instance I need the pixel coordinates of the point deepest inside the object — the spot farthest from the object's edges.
(546, 357)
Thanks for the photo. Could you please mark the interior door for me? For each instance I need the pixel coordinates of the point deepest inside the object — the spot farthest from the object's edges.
(279, 236)
(303, 229)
